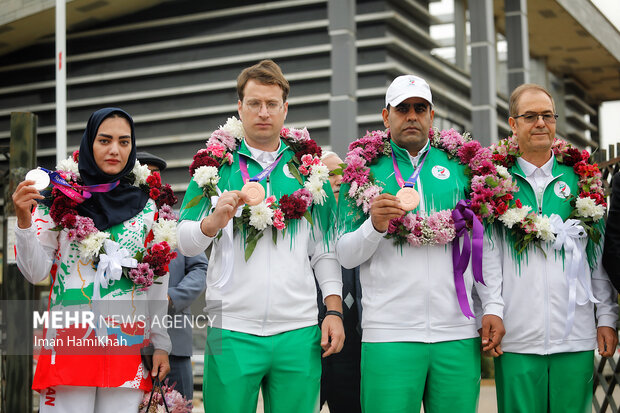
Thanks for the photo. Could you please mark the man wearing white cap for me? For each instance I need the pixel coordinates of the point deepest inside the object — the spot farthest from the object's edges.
(420, 341)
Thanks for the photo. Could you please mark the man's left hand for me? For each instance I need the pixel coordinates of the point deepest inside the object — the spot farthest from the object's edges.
(491, 333)
(607, 341)
(332, 335)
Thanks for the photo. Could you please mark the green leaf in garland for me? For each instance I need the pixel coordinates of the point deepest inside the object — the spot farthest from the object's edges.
(210, 191)
(251, 244)
(292, 168)
(308, 217)
(274, 235)
(193, 202)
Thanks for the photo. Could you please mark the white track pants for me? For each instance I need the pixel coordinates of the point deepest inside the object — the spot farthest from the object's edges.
(80, 399)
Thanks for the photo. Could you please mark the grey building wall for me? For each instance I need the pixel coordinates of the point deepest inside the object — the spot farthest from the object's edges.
(174, 68)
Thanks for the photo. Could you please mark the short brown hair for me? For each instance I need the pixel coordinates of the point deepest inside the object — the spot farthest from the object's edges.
(266, 72)
(519, 90)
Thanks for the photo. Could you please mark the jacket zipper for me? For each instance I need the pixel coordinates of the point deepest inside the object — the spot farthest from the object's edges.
(540, 209)
(544, 189)
(268, 298)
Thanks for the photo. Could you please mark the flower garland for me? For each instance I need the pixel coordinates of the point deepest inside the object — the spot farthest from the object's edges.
(271, 212)
(154, 260)
(438, 228)
(588, 207)
(174, 400)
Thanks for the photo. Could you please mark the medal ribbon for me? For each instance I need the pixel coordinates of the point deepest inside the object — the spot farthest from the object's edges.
(411, 181)
(243, 164)
(464, 216)
(72, 190)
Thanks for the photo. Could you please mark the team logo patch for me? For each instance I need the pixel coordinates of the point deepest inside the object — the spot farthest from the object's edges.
(440, 172)
(131, 225)
(287, 172)
(561, 189)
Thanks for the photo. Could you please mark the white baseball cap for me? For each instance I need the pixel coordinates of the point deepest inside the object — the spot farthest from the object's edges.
(405, 87)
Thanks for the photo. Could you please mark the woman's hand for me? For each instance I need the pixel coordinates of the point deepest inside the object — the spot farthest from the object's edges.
(161, 364)
(25, 199)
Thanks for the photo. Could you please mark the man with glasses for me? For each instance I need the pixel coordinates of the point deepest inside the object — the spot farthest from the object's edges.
(549, 287)
(419, 336)
(264, 260)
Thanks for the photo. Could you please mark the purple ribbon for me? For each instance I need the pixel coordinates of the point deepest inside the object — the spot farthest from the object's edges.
(72, 190)
(399, 176)
(462, 216)
(243, 164)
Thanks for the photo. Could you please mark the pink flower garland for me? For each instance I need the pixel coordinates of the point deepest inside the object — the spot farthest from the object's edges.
(415, 229)
(526, 229)
(218, 152)
(155, 263)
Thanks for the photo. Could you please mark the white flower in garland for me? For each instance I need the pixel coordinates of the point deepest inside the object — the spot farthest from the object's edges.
(165, 230)
(141, 172)
(234, 127)
(261, 216)
(503, 171)
(206, 175)
(514, 215)
(543, 227)
(90, 246)
(587, 207)
(315, 185)
(68, 165)
(320, 172)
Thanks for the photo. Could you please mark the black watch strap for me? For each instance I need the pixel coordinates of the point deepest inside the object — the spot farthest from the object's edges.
(334, 312)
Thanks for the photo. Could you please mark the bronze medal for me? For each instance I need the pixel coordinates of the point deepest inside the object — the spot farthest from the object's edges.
(254, 192)
(409, 198)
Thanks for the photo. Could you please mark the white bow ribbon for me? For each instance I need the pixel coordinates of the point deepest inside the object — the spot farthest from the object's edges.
(225, 253)
(567, 235)
(111, 265)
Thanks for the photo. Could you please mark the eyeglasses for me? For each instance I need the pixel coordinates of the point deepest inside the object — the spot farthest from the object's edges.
(533, 117)
(272, 107)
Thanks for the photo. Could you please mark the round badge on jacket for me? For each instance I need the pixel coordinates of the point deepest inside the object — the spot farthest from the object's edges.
(287, 172)
(440, 172)
(561, 189)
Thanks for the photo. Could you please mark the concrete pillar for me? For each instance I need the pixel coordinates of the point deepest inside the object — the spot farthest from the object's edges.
(460, 34)
(483, 78)
(518, 43)
(17, 324)
(343, 101)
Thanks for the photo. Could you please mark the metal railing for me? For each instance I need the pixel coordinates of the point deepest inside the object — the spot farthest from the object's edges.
(607, 370)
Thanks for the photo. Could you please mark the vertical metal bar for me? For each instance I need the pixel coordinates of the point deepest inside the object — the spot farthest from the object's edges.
(14, 285)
